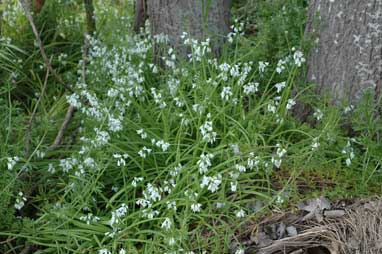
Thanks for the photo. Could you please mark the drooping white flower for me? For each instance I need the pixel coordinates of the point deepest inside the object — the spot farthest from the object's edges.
(280, 86)
(290, 104)
(136, 180)
(104, 251)
(166, 224)
(315, 145)
(144, 152)
(207, 132)
(251, 88)
(171, 241)
(20, 201)
(280, 66)
(226, 93)
(142, 133)
(240, 213)
(318, 114)
(262, 66)
(11, 162)
(298, 58)
(196, 207)
(204, 162)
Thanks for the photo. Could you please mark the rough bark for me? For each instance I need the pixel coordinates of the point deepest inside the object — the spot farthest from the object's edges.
(201, 19)
(140, 14)
(90, 17)
(347, 58)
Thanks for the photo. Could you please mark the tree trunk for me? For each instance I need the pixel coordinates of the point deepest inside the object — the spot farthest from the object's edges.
(201, 19)
(140, 14)
(90, 17)
(347, 58)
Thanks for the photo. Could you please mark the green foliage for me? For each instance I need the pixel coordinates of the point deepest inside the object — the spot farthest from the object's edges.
(172, 156)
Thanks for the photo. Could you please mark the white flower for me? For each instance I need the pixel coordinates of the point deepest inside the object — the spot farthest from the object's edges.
(20, 201)
(142, 133)
(240, 168)
(178, 102)
(280, 66)
(40, 154)
(136, 180)
(68, 163)
(171, 205)
(171, 241)
(276, 162)
(89, 162)
(212, 183)
(315, 144)
(226, 93)
(349, 151)
(220, 205)
(166, 224)
(122, 251)
(298, 57)
(144, 152)
(234, 186)
(204, 162)
(89, 218)
(152, 193)
(163, 145)
(198, 108)
(262, 66)
(280, 151)
(196, 207)
(207, 132)
(121, 159)
(290, 104)
(114, 124)
(348, 109)
(251, 88)
(318, 114)
(251, 163)
(12, 162)
(176, 170)
(104, 251)
(51, 168)
(239, 251)
(240, 213)
(280, 86)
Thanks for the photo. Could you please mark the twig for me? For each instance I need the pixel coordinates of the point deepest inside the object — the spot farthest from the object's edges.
(29, 16)
(68, 117)
(70, 112)
(33, 115)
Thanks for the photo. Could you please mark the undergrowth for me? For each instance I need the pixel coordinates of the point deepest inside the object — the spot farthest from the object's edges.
(173, 157)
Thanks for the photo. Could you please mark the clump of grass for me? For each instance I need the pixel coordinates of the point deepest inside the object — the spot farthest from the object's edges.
(172, 158)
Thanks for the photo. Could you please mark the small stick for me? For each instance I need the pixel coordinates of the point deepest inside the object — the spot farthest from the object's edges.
(28, 14)
(68, 117)
(69, 114)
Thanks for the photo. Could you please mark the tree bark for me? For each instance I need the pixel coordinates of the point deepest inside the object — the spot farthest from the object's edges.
(90, 17)
(140, 14)
(201, 19)
(347, 58)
